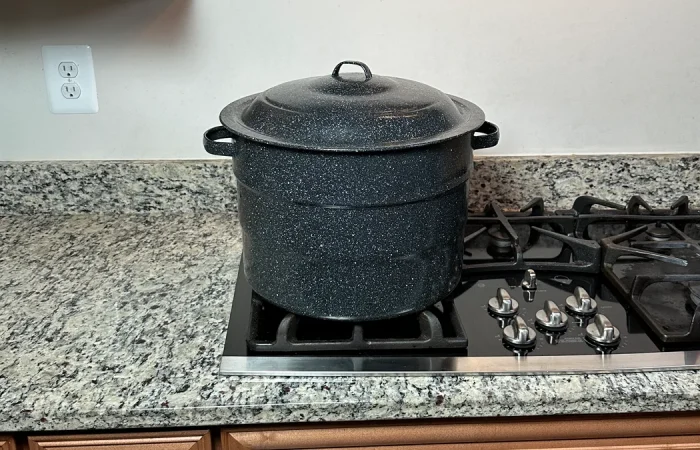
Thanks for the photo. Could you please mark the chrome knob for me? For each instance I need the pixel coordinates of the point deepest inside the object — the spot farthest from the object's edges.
(551, 317)
(602, 331)
(529, 283)
(581, 303)
(529, 296)
(519, 334)
(503, 304)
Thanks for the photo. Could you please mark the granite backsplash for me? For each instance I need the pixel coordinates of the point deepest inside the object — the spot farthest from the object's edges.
(187, 186)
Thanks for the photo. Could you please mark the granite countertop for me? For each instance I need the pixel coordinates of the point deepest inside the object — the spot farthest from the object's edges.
(118, 321)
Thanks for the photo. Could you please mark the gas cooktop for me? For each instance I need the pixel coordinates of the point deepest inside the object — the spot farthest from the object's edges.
(599, 287)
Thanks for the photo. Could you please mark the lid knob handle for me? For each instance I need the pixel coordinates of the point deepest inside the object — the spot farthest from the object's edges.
(368, 73)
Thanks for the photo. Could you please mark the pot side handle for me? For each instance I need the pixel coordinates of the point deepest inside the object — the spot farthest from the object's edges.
(489, 136)
(214, 146)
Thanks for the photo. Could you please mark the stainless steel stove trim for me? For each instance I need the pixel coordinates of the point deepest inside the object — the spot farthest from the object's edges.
(463, 365)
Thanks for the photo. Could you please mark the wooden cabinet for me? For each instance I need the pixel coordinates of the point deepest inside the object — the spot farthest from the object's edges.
(7, 443)
(580, 433)
(176, 440)
(672, 431)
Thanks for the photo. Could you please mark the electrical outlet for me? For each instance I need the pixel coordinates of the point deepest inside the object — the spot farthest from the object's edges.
(68, 69)
(71, 90)
(70, 79)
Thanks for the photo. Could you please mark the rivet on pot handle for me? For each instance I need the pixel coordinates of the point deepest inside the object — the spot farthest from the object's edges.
(365, 68)
(488, 138)
(214, 146)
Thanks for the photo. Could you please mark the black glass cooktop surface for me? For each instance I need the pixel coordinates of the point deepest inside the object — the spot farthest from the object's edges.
(591, 280)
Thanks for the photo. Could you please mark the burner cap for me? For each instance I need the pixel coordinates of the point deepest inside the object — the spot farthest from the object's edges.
(499, 238)
(658, 233)
(500, 245)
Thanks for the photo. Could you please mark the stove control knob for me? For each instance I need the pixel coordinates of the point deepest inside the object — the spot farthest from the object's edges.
(503, 304)
(581, 303)
(529, 296)
(551, 317)
(530, 281)
(518, 334)
(602, 331)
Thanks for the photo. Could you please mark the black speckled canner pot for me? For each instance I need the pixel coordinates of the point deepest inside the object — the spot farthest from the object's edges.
(336, 231)
(366, 236)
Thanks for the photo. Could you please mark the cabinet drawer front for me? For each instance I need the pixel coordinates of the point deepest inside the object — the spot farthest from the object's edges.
(181, 440)
(7, 443)
(653, 443)
(660, 443)
(681, 432)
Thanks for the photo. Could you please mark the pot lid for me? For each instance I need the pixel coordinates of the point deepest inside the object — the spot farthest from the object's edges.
(351, 112)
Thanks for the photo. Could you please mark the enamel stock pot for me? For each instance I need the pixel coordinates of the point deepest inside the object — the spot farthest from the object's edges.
(352, 191)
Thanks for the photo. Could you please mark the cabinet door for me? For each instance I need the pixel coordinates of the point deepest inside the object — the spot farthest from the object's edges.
(655, 443)
(179, 440)
(615, 432)
(6, 443)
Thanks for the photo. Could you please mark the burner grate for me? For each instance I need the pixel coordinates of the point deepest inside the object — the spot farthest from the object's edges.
(275, 331)
(630, 215)
(643, 261)
(667, 304)
(576, 255)
(663, 299)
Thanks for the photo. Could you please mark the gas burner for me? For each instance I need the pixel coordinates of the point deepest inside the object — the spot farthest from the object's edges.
(659, 233)
(500, 244)
(506, 252)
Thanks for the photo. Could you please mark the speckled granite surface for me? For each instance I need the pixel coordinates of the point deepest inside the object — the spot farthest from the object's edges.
(116, 321)
(76, 187)
(660, 179)
(206, 186)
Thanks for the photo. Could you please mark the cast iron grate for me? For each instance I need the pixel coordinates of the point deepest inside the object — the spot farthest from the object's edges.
(656, 268)
(276, 331)
(507, 248)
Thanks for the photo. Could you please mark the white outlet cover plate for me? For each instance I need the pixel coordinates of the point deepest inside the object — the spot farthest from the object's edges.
(53, 56)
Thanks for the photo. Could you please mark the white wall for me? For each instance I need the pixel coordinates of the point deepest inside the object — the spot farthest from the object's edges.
(576, 76)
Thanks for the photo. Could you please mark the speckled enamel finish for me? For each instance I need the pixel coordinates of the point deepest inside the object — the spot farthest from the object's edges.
(353, 236)
(118, 321)
(351, 112)
(353, 263)
(352, 192)
(353, 180)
